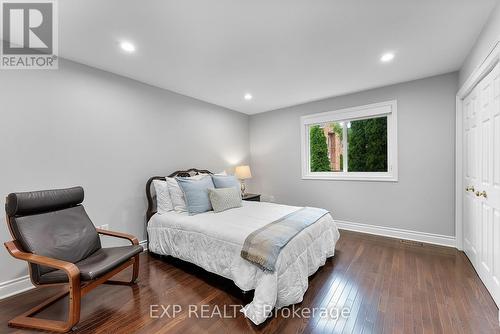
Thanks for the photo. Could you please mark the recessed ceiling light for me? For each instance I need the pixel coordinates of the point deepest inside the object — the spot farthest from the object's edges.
(387, 57)
(248, 96)
(127, 46)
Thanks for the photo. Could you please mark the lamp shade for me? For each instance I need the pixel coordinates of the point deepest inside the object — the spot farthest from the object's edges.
(243, 172)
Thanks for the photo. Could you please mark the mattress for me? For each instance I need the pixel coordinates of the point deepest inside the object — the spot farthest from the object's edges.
(213, 241)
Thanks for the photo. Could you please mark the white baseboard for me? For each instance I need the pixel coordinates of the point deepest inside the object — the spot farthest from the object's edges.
(22, 284)
(430, 238)
(15, 286)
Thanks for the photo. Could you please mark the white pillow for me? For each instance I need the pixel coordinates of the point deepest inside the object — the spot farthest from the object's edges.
(163, 201)
(176, 195)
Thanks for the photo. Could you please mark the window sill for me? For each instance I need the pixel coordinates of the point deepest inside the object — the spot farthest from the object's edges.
(344, 177)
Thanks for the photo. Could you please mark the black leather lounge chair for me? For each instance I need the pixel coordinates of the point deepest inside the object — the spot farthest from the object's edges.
(53, 233)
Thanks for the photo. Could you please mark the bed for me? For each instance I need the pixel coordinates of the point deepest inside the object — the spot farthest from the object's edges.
(213, 241)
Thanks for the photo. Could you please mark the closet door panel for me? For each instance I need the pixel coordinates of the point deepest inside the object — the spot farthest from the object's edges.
(472, 232)
(492, 185)
(487, 192)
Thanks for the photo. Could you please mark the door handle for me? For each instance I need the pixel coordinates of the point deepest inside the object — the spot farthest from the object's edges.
(482, 193)
(471, 188)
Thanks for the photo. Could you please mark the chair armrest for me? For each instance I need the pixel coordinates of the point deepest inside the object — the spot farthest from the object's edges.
(120, 235)
(72, 270)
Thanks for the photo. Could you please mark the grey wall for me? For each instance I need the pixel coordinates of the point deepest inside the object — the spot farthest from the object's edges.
(422, 200)
(487, 39)
(82, 126)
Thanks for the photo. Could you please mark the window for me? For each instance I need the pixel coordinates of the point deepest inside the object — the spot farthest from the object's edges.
(357, 143)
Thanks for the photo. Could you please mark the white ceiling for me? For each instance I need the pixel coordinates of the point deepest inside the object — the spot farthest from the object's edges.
(283, 52)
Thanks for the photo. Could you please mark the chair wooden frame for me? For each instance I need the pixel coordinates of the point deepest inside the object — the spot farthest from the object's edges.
(76, 289)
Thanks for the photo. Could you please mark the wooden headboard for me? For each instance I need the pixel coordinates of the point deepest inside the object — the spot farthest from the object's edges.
(151, 194)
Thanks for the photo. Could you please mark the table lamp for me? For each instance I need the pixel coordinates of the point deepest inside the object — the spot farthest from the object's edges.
(243, 173)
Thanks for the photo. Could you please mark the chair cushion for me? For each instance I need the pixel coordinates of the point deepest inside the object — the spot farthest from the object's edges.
(28, 203)
(66, 235)
(96, 265)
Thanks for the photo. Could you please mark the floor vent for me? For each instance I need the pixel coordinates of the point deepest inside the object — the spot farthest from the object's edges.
(411, 243)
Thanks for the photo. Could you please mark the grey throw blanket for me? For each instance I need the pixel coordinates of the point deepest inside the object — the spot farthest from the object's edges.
(263, 246)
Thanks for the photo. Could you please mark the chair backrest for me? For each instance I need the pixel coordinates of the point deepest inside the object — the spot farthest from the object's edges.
(52, 223)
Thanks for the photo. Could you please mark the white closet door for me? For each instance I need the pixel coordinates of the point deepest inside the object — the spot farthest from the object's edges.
(493, 188)
(471, 175)
(482, 179)
(489, 186)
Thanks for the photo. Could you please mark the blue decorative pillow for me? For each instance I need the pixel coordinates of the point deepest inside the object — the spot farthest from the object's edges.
(196, 193)
(226, 181)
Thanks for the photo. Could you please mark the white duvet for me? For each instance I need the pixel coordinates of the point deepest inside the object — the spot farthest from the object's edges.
(213, 241)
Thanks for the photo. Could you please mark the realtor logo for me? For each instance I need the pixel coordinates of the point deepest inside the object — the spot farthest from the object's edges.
(29, 34)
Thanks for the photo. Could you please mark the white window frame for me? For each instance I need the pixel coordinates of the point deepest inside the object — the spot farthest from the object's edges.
(388, 109)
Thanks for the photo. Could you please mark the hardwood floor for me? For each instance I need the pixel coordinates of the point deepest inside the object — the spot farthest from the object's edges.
(388, 286)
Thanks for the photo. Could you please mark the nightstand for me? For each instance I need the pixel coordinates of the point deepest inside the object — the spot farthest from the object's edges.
(251, 197)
